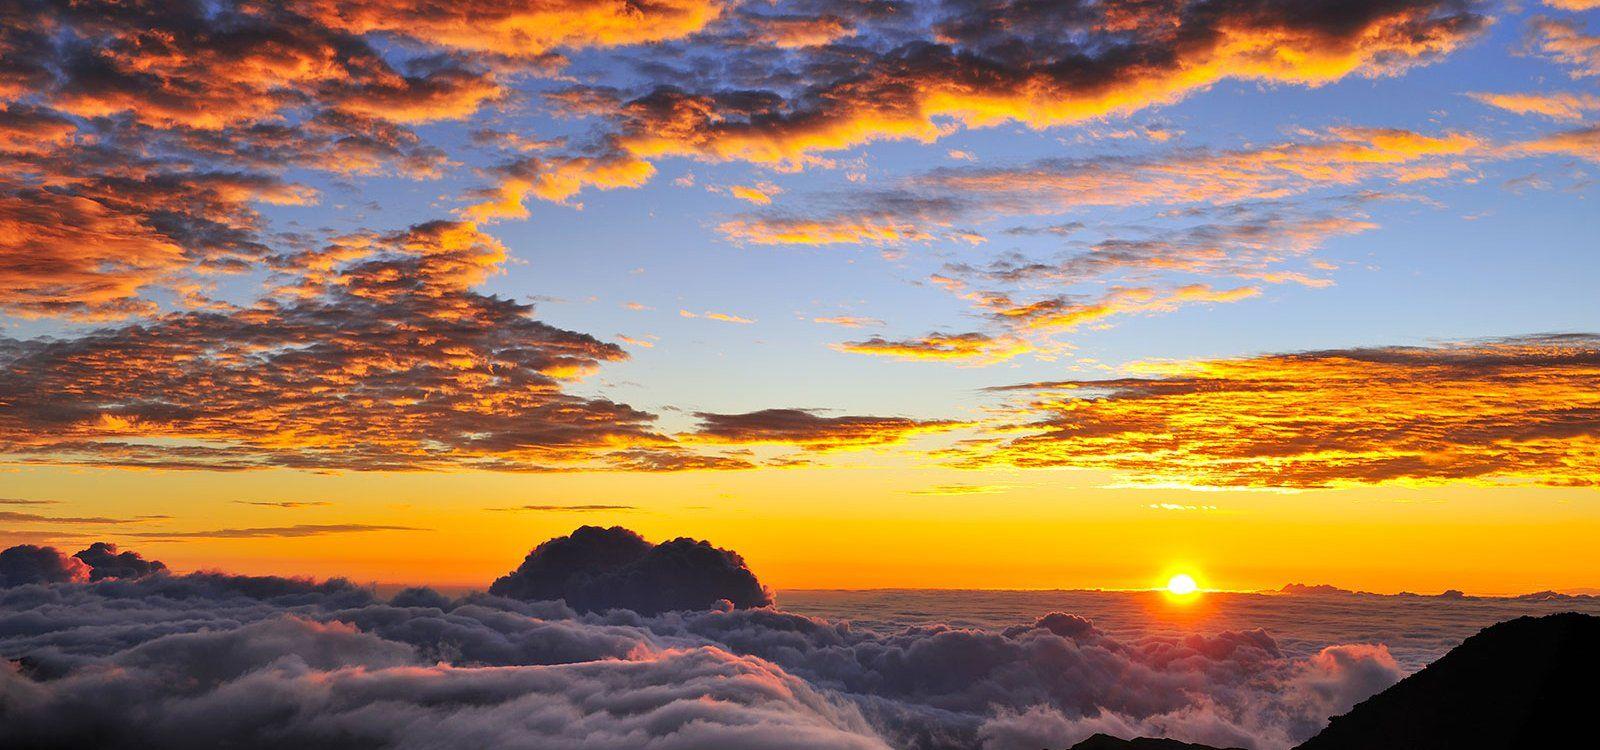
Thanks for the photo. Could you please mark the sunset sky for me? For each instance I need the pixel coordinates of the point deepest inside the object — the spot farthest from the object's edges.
(963, 294)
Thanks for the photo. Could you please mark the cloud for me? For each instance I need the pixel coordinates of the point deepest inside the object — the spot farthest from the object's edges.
(1564, 41)
(808, 429)
(975, 65)
(596, 569)
(285, 503)
(136, 141)
(848, 321)
(271, 532)
(568, 508)
(924, 204)
(89, 248)
(27, 564)
(14, 516)
(209, 659)
(985, 64)
(555, 179)
(1518, 410)
(1561, 105)
(760, 193)
(1583, 143)
(717, 316)
(380, 358)
(791, 31)
(518, 29)
(105, 561)
(973, 347)
(962, 489)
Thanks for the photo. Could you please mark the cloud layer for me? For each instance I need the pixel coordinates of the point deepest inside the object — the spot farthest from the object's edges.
(205, 659)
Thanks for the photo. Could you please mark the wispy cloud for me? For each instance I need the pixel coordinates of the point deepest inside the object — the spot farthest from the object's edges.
(567, 508)
(265, 532)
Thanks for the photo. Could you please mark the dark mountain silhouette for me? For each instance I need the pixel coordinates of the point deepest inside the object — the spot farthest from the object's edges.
(1107, 742)
(1523, 683)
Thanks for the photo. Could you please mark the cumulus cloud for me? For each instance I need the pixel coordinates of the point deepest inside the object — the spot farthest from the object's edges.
(105, 561)
(1517, 409)
(595, 569)
(208, 659)
(27, 563)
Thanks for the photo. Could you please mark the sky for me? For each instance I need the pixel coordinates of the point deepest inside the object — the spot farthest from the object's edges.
(969, 294)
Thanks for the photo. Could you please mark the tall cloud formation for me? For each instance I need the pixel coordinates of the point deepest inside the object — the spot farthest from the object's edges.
(30, 564)
(596, 569)
(1524, 409)
(208, 659)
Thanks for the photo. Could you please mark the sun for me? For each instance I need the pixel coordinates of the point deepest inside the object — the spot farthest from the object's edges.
(1182, 584)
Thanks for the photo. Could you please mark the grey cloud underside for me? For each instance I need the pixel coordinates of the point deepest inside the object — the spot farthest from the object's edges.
(209, 660)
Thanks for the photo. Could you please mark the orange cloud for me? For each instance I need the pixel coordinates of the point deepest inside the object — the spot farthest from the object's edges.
(881, 230)
(1058, 313)
(1505, 410)
(1565, 42)
(723, 317)
(90, 246)
(556, 180)
(1559, 105)
(518, 29)
(760, 193)
(1082, 62)
(1583, 143)
(940, 198)
(795, 31)
(972, 348)
(903, 95)
(807, 429)
(391, 363)
(848, 321)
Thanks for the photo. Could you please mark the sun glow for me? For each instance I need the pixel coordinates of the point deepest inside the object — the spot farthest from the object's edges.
(1182, 584)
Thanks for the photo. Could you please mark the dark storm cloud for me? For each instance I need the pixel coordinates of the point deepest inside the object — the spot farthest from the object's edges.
(597, 569)
(209, 659)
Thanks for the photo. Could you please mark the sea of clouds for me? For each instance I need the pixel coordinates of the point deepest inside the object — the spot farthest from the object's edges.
(106, 649)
